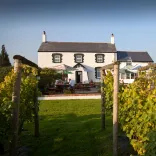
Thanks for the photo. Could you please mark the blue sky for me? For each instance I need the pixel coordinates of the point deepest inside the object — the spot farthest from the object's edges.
(23, 21)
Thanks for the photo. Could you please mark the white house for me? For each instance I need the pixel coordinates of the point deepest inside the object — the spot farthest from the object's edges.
(87, 58)
(130, 62)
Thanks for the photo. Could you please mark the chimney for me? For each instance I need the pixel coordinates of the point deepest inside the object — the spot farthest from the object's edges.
(112, 39)
(44, 37)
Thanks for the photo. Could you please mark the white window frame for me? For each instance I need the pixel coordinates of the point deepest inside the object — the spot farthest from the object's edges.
(128, 75)
(122, 75)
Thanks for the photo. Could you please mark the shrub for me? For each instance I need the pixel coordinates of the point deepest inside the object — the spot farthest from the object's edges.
(27, 99)
(137, 115)
(4, 71)
(66, 91)
(48, 77)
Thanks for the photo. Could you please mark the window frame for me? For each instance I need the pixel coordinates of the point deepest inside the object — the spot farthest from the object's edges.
(96, 58)
(53, 57)
(122, 76)
(97, 70)
(82, 58)
(128, 75)
(128, 62)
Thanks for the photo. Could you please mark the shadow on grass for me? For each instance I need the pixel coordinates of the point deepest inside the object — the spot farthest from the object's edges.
(70, 135)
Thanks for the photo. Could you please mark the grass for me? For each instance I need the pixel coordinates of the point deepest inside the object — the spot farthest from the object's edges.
(70, 128)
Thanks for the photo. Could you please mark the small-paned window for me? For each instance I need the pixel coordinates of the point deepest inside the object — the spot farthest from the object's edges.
(129, 63)
(79, 58)
(97, 72)
(123, 75)
(99, 58)
(56, 58)
(128, 75)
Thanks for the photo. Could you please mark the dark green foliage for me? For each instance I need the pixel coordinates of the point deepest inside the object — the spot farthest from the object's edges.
(48, 76)
(6, 88)
(108, 89)
(26, 107)
(4, 71)
(4, 58)
(137, 114)
(137, 109)
(67, 91)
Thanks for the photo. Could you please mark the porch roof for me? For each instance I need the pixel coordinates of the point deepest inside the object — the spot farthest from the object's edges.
(83, 66)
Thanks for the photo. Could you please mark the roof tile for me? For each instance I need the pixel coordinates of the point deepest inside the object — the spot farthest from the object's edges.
(134, 56)
(77, 47)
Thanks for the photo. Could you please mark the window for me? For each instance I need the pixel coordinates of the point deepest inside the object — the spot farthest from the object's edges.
(123, 75)
(79, 58)
(97, 72)
(129, 63)
(99, 58)
(133, 75)
(56, 58)
(128, 75)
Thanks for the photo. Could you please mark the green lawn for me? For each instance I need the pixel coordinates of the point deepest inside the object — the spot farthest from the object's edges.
(70, 128)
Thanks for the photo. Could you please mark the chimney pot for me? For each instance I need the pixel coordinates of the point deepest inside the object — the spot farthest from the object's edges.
(112, 39)
(44, 37)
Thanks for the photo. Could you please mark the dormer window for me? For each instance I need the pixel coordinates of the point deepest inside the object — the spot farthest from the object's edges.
(99, 58)
(56, 58)
(129, 63)
(79, 58)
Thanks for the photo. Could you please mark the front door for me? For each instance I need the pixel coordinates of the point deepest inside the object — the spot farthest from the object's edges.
(78, 76)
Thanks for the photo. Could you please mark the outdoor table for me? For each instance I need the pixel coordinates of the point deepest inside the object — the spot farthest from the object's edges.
(61, 87)
(86, 86)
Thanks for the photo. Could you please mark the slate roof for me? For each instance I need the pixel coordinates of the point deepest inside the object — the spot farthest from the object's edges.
(134, 56)
(77, 47)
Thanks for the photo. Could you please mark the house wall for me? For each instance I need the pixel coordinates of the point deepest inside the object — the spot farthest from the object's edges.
(123, 64)
(45, 60)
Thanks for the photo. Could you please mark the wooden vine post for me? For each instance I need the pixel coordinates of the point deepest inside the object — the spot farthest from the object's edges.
(102, 101)
(15, 112)
(115, 67)
(18, 61)
(115, 109)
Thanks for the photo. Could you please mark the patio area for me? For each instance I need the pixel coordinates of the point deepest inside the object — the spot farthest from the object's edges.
(77, 89)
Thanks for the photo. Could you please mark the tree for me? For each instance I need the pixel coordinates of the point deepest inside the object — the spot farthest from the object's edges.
(48, 76)
(4, 57)
(4, 71)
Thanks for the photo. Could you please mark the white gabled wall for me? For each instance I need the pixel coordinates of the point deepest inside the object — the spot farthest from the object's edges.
(45, 60)
(123, 64)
